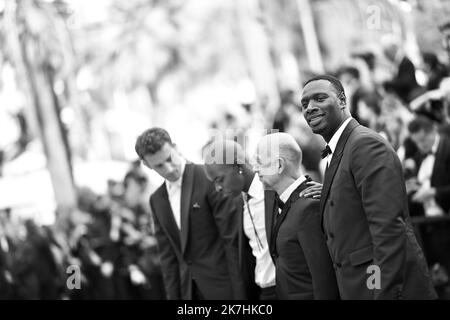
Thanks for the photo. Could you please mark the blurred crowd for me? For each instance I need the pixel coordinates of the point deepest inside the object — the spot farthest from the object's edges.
(103, 250)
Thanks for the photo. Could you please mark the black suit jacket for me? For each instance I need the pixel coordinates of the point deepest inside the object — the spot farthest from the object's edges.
(303, 266)
(366, 220)
(247, 261)
(440, 178)
(205, 250)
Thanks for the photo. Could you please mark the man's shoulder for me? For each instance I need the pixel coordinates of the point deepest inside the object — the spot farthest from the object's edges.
(307, 204)
(158, 192)
(304, 210)
(363, 136)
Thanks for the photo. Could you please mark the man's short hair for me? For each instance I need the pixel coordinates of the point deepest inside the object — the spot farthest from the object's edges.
(337, 85)
(420, 123)
(151, 141)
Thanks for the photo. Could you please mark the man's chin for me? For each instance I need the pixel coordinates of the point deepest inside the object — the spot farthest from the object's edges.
(173, 178)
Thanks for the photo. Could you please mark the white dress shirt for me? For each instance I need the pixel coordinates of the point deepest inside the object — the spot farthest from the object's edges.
(174, 193)
(287, 193)
(424, 178)
(264, 269)
(335, 139)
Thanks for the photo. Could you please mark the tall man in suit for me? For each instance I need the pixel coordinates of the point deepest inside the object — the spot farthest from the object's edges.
(297, 245)
(363, 203)
(254, 207)
(195, 226)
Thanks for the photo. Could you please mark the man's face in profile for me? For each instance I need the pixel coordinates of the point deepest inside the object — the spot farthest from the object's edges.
(226, 178)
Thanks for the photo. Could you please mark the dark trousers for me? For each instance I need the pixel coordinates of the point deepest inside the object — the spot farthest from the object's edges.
(268, 293)
(196, 293)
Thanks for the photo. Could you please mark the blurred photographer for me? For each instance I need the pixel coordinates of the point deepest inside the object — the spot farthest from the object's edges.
(431, 187)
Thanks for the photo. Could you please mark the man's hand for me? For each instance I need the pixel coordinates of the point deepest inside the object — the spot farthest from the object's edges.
(412, 185)
(313, 191)
(424, 194)
(107, 269)
(136, 275)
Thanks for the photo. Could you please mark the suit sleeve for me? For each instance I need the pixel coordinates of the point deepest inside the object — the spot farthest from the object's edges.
(225, 215)
(312, 241)
(169, 262)
(378, 177)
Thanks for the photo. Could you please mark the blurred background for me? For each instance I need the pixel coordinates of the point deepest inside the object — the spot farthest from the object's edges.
(79, 80)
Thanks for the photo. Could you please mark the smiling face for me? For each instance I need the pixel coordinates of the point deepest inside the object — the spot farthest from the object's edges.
(166, 162)
(322, 108)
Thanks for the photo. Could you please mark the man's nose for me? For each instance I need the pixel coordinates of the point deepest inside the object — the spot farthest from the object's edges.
(309, 107)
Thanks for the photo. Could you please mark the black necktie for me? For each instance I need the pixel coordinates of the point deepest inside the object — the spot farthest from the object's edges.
(280, 203)
(326, 152)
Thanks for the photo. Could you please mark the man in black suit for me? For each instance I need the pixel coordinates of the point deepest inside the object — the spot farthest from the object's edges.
(195, 225)
(297, 245)
(254, 210)
(363, 203)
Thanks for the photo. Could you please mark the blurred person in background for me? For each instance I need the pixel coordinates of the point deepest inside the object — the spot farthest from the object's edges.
(403, 82)
(432, 187)
(37, 271)
(7, 282)
(195, 225)
(435, 70)
(429, 191)
(445, 31)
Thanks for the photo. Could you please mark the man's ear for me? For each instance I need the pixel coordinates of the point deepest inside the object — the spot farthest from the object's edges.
(281, 165)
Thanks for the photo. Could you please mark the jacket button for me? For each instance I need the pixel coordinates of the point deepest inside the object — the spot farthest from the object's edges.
(338, 265)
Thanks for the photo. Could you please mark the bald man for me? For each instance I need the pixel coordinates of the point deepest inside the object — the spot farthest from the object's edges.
(303, 266)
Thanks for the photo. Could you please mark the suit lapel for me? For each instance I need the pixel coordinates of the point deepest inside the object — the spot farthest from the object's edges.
(269, 206)
(186, 193)
(165, 215)
(335, 160)
(282, 216)
(239, 203)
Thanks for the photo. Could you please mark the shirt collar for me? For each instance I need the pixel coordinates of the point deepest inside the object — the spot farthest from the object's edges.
(177, 184)
(435, 144)
(256, 189)
(335, 139)
(287, 193)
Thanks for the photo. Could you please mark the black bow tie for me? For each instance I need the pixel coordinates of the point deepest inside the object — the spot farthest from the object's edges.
(326, 152)
(280, 203)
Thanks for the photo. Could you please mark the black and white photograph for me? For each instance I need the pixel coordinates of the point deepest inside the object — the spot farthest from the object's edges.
(224, 154)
